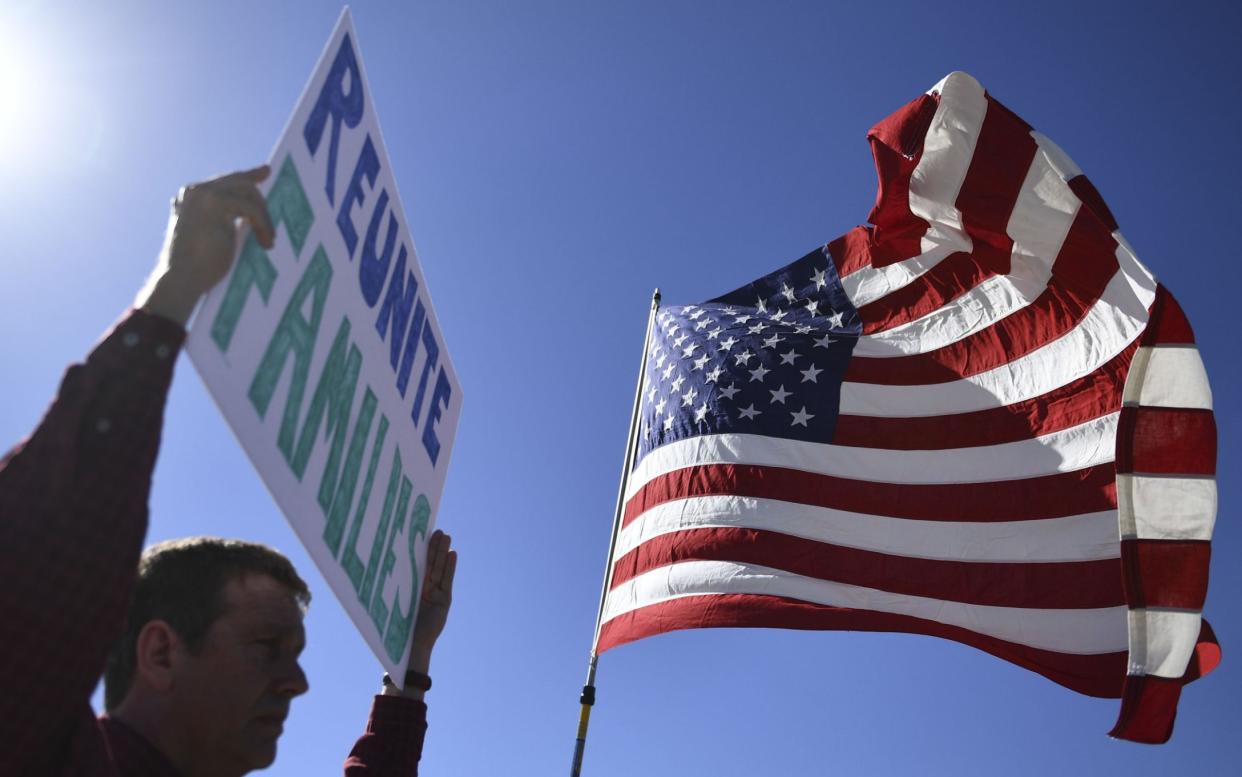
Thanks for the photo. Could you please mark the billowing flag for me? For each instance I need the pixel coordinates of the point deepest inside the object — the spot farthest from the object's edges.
(979, 418)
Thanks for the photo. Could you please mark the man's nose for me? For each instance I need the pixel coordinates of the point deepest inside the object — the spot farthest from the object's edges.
(292, 681)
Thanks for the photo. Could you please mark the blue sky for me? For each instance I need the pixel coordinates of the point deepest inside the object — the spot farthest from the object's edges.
(558, 160)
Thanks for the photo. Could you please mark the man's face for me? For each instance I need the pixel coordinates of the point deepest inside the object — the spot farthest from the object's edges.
(237, 688)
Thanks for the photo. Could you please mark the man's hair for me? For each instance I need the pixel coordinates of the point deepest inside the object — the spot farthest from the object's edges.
(181, 582)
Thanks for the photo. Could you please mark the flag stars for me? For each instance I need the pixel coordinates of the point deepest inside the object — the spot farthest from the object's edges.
(659, 406)
(788, 292)
(689, 350)
(668, 371)
(728, 391)
(687, 399)
(668, 423)
(772, 341)
(812, 307)
(824, 342)
(743, 358)
(712, 335)
(758, 373)
(700, 362)
(803, 329)
(742, 319)
(728, 343)
(677, 383)
(714, 375)
(779, 395)
(800, 418)
(790, 357)
(679, 339)
(749, 412)
(703, 324)
(761, 306)
(778, 315)
(757, 328)
(819, 280)
(836, 319)
(700, 412)
(810, 374)
(659, 362)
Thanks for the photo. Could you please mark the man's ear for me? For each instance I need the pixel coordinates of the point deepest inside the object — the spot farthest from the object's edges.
(157, 645)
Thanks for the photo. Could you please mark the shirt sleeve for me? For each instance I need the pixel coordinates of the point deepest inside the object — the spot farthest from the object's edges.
(73, 514)
(393, 742)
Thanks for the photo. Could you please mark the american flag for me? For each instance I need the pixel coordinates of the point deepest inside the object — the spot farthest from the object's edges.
(979, 418)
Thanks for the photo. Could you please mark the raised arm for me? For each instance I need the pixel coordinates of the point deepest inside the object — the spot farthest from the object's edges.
(73, 496)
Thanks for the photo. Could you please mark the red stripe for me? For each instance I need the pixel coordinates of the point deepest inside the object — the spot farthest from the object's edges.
(1148, 708)
(851, 251)
(1169, 325)
(1051, 496)
(1077, 402)
(1166, 573)
(897, 146)
(1002, 156)
(1080, 274)
(1095, 675)
(1166, 441)
(1067, 585)
(1090, 196)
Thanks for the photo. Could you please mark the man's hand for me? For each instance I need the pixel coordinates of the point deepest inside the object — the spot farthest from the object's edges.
(201, 239)
(436, 599)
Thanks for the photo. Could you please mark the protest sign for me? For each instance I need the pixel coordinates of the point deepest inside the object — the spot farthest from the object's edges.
(326, 357)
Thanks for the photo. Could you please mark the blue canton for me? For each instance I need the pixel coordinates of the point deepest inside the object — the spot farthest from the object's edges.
(768, 359)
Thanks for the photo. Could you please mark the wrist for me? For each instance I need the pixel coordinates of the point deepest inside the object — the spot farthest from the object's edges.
(167, 297)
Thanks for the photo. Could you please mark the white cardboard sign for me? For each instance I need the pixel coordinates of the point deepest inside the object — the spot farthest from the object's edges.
(326, 358)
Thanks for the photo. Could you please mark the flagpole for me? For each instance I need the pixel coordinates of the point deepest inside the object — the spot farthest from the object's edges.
(587, 699)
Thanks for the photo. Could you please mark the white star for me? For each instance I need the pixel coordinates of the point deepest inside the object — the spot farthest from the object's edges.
(818, 280)
(727, 343)
(800, 418)
(742, 319)
(772, 341)
(779, 395)
(687, 399)
(668, 424)
(824, 342)
(700, 412)
(749, 412)
(835, 319)
(660, 360)
(758, 373)
(681, 338)
(689, 350)
(744, 357)
(712, 335)
(700, 362)
(728, 391)
(696, 314)
(778, 315)
(812, 307)
(788, 358)
(802, 329)
(668, 371)
(761, 305)
(757, 328)
(810, 374)
(651, 395)
(659, 406)
(677, 383)
(714, 375)
(703, 324)
(788, 292)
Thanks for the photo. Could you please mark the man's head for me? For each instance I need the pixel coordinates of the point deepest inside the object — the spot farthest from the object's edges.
(208, 662)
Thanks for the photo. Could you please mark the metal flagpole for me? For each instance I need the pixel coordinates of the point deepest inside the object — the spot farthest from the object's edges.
(587, 700)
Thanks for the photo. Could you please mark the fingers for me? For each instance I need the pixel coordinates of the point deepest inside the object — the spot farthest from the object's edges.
(248, 204)
(437, 557)
(254, 175)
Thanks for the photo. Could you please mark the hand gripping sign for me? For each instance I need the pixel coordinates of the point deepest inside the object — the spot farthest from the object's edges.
(327, 360)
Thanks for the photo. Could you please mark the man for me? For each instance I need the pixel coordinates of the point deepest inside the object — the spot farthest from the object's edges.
(207, 664)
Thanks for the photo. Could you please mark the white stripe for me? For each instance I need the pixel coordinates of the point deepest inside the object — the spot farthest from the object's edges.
(1166, 508)
(1065, 167)
(1115, 320)
(1078, 631)
(1168, 376)
(1087, 537)
(1068, 450)
(947, 151)
(867, 284)
(1041, 218)
(1161, 642)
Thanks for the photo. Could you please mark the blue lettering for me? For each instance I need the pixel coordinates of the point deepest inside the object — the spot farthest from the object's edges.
(397, 304)
(439, 397)
(340, 99)
(411, 345)
(372, 267)
(368, 166)
(433, 357)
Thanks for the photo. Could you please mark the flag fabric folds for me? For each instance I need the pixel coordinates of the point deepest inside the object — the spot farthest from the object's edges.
(978, 418)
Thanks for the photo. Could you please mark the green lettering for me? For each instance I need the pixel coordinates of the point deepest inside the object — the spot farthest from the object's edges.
(350, 560)
(294, 335)
(379, 610)
(397, 637)
(334, 396)
(287, 204)
(254, 268)
(337, 509)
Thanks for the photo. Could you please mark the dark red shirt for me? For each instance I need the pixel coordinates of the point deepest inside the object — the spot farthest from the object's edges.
(73, 514)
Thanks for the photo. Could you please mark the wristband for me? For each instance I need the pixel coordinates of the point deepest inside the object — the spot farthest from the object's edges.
(413, 679)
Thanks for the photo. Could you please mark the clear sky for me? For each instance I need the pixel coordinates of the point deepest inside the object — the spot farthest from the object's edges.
(558, 160)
